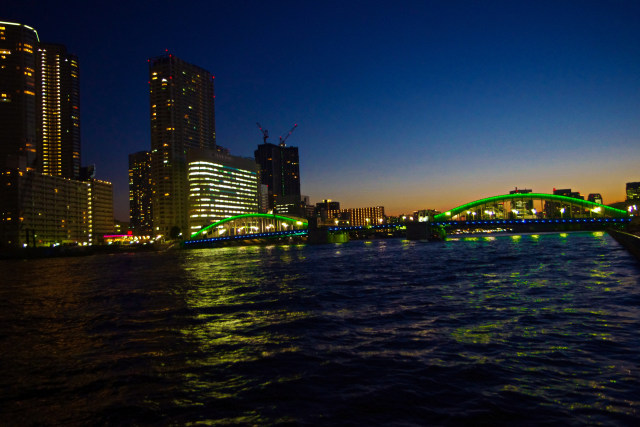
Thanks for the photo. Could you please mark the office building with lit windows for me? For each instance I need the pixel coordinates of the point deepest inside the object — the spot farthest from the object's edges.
(220, 186)
(44, 210)
(280, 172)
(182, 118)
(633, 191)
(140, 191)
(58, 112)
(358, 216)
(595, 198)
(18, 95)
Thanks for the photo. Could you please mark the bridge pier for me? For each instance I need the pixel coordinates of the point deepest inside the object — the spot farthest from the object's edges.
(424, 231)
(321, 235)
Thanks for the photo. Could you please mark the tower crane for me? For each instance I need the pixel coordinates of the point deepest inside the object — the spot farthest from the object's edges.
(265, 133)
(282, 140)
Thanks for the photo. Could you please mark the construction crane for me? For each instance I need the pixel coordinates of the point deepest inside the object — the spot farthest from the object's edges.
(265, 133)
(282, 140)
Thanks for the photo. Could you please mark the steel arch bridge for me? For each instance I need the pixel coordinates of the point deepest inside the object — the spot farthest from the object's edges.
(251, 225)
(529, 206)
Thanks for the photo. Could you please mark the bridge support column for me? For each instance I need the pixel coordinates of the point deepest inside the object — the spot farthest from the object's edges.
(424, 231)
(319, 234)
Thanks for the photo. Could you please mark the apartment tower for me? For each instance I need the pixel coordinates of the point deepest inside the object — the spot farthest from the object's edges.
(18, 95)
(182, 117)
(140, 190)
(58, 112)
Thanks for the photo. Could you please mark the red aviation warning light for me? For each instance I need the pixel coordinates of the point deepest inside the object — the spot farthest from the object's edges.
(282, 140)
(265, 133)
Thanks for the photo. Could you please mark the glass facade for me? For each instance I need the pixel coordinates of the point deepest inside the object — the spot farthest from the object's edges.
(219, 189)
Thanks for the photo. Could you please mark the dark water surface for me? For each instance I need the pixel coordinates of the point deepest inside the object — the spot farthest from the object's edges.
(513, 330)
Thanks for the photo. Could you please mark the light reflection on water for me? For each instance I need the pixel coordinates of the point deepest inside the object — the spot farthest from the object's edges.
(494, 329)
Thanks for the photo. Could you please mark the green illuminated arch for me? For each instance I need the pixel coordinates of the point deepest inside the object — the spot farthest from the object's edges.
(254, 215)
(607, 210)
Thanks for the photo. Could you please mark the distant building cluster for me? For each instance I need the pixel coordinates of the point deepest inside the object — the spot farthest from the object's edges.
(186, 181)
(182, 184)
(45, 199)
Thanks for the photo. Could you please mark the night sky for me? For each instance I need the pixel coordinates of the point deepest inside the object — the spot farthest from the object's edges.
(409, 105)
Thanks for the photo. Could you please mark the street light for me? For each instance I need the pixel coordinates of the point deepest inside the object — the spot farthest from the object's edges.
(562, 213)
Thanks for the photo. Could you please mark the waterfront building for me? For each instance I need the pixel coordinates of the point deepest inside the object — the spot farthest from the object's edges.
(43, 210)
(425, 215)
(280, 172)
(45, 198)
(359, 216)
(58, 112)
(561, 210)
(121, 227)
(520, 191)
(568, 193)
(291, 205)
(520, 208)
(220, 186)
(100, 209)
(182, 117)
(323, 208)
(140, 193)
(633, 191)
(18, 93)
(595, 198)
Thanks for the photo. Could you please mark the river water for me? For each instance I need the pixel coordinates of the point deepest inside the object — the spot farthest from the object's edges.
(506, 330)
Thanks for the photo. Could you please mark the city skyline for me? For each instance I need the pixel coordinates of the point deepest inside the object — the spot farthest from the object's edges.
(411, 107)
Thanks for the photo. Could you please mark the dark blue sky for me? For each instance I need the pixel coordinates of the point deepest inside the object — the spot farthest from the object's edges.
(409, 105)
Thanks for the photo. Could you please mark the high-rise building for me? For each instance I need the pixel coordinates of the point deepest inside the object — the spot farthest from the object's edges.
(43, 199)
(58, 112)
(280, 172)
(220, 186)
(18, 95)
(182, 117)
(140, 190)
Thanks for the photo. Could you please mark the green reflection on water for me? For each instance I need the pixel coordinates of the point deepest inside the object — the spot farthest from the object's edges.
(237, 319)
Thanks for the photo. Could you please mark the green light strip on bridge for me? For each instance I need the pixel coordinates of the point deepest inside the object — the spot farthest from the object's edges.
(520, 196)
(255, 215)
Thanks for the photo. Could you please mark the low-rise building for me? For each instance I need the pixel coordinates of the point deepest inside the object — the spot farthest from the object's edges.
(44, 210)
(220, 186)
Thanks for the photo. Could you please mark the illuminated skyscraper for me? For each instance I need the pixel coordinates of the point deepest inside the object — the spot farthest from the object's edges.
(18, 94)
(280, 172)
(140, 190)
(58, 112)
(182, 117)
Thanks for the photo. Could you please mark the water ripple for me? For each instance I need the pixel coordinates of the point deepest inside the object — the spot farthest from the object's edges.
(502, 330)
